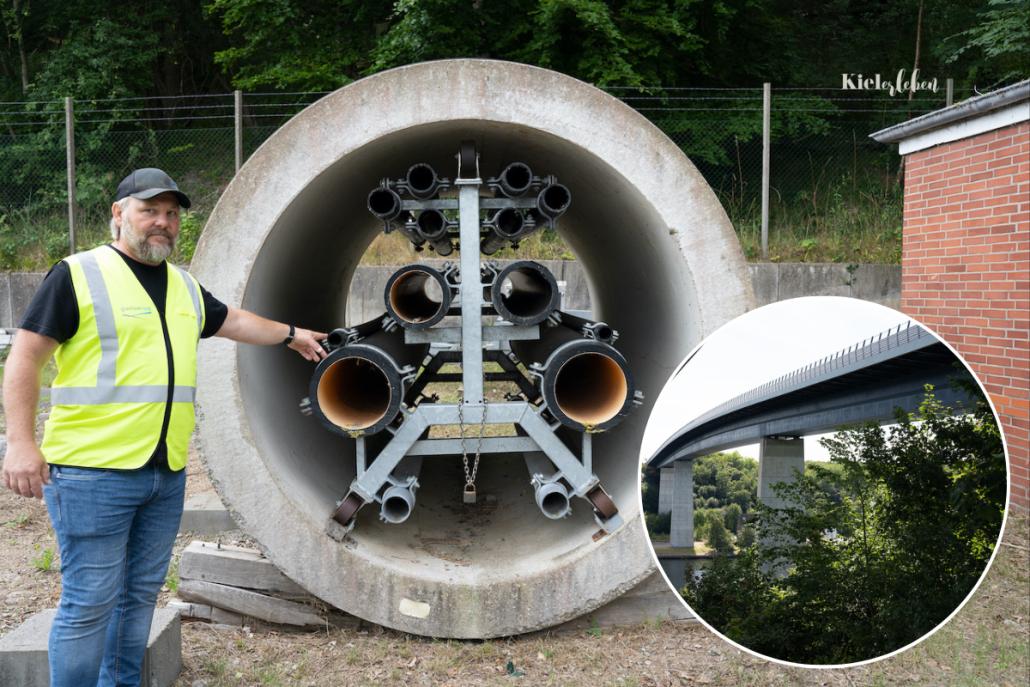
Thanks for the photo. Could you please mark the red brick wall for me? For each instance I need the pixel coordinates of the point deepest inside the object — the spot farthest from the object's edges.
(966, 268)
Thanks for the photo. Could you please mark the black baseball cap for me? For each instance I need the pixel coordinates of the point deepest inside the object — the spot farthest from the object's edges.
(149, 182)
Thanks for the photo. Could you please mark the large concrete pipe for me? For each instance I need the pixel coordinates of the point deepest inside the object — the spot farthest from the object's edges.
(664, 269)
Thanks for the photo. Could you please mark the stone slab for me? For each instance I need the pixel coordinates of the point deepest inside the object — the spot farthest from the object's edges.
(235, 566)
(205, 515)
(23, 651)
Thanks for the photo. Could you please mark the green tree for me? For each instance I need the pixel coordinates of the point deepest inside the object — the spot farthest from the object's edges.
(732, 515)
(997, 46)
(882, 544)
(718, 538)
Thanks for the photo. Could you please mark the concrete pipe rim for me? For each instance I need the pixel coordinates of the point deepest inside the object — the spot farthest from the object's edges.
(290, 209)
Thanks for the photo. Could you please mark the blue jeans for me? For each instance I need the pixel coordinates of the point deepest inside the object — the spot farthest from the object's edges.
(115, 530)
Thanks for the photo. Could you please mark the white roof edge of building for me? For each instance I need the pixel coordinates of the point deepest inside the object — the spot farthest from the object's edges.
(1008, 105)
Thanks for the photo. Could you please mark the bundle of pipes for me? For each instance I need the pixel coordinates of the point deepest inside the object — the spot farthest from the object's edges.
(507, 226)
(582, 381)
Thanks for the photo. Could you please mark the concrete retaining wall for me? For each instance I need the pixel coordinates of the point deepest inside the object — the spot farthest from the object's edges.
(772, 282)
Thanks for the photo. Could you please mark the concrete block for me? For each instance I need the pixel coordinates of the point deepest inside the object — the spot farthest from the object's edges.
(23, 288)
(6, 320)
(205, 515)
(878, 283)
(235, 566)
(765, 280)
(816, 279)
(649, 601)
(23, 651)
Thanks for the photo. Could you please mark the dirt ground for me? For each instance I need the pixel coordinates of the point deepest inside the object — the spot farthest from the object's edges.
(985, 644)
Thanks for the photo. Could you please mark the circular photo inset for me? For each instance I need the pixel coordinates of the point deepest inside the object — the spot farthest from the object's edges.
(823, 481)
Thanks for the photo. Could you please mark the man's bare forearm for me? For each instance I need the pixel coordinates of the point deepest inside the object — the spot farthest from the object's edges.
(25, 469)
(246, 327)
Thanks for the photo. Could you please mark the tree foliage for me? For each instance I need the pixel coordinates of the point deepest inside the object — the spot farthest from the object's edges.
(880, 547)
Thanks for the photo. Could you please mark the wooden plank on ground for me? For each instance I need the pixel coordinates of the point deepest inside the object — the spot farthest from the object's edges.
(188, 609)
(235, 566)
(249, 603)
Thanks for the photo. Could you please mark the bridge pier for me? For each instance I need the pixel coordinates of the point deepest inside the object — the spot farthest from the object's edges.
(778, 458)
(681, 531)
(665, 482)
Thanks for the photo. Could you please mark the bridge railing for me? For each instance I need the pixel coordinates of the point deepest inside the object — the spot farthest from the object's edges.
(875, 345)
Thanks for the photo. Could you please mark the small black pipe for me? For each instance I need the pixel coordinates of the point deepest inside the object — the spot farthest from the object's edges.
(516, 179)
(384, 203)
(422, 181)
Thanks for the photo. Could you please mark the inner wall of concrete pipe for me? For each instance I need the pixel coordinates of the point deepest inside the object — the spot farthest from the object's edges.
(302, 273)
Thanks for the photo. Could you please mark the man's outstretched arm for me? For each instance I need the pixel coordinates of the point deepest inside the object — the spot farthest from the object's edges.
(246, 327)
(25, 470)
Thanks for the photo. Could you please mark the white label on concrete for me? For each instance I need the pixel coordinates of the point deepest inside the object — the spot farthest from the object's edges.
(415, 609)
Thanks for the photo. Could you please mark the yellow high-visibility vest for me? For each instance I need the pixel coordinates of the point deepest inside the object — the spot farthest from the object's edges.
(108, 400)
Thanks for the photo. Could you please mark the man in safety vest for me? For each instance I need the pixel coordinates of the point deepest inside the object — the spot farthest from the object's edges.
(123, 325)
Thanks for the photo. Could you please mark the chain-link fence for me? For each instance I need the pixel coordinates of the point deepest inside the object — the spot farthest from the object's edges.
(833, 191)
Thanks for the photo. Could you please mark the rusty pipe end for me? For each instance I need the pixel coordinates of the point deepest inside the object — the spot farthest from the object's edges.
(417, 296)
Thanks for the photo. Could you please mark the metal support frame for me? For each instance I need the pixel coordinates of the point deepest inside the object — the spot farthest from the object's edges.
(471, 344)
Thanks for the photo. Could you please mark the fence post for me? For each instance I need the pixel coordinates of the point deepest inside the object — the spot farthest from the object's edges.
(949, 93)
(69, 137)
(238, 127)
(766, 110)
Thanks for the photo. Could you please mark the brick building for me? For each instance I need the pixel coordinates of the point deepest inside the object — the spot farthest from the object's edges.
(965, 267)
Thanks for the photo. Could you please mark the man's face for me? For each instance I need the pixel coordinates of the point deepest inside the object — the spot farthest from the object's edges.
(150, 227)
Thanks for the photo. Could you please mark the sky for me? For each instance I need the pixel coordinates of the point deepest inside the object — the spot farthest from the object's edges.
(757, 347)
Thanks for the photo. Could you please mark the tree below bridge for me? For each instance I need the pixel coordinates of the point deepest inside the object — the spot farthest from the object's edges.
(882, 548)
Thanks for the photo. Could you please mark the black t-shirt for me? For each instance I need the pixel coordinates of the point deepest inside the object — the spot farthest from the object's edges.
(54, 312)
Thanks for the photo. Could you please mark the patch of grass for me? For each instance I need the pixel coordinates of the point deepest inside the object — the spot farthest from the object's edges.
(21, 520)
(172, 576)
(830, 221)
(44, 562)
(215, 667)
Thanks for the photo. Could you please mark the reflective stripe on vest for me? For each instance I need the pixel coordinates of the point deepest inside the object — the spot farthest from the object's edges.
(97, 422)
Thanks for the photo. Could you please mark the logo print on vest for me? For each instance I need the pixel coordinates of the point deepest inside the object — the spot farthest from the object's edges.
(136, 311)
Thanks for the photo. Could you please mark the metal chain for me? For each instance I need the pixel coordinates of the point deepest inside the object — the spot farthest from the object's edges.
(470, 475)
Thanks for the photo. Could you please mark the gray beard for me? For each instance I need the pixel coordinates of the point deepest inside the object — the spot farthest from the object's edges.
(151, 254)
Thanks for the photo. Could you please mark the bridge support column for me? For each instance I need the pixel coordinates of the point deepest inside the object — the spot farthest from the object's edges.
(777, 460)
(681, 531)
(665, 489)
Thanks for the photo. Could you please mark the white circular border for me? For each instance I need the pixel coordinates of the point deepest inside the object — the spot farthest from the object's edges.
(868, 661)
